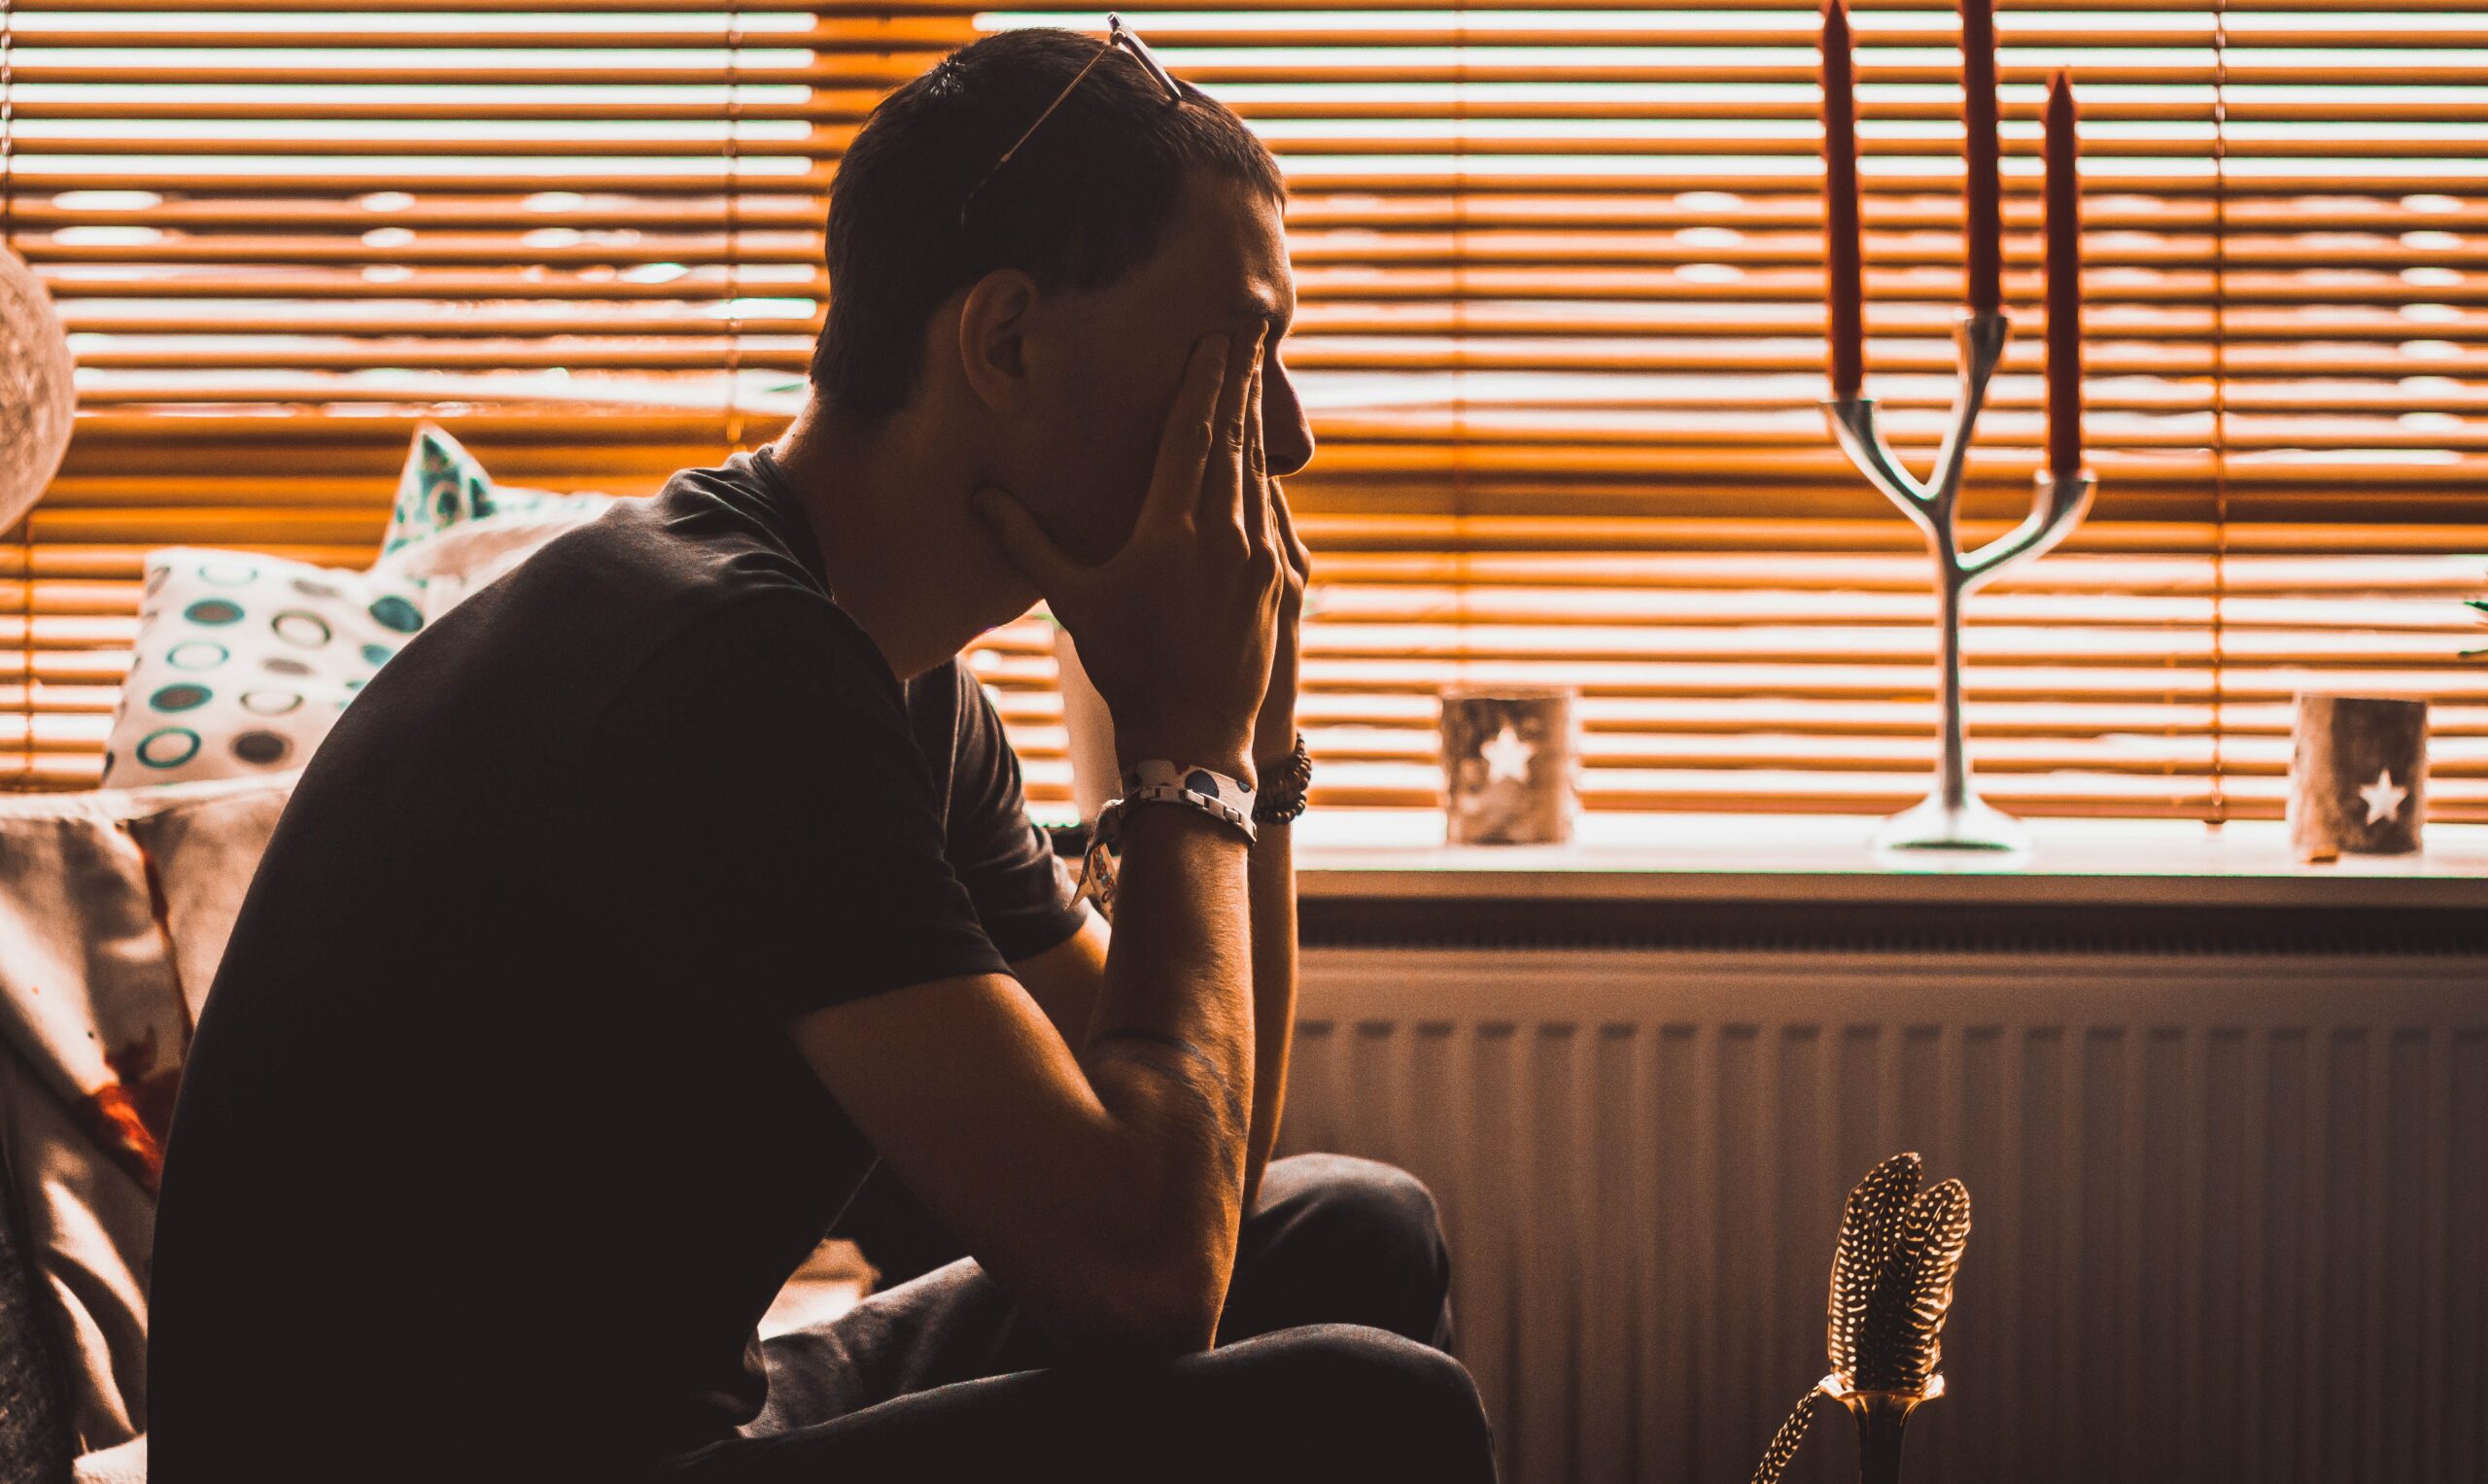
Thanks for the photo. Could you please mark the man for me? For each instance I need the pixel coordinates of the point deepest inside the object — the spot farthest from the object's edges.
(644, 903)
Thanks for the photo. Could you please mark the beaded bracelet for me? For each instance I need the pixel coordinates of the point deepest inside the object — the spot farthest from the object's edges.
(1284, 787)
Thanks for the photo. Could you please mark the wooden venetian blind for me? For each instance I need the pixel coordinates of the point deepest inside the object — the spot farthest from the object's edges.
(583, 236)
(1560, 332)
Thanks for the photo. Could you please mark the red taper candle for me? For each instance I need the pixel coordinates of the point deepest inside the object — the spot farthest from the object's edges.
(1981, 210)
(2064, 284)
(1843, 263)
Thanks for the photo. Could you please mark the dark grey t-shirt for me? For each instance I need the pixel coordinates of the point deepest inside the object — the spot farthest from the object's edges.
(492, 1146)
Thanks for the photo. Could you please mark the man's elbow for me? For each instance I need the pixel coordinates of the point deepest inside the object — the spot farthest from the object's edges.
(1154, 1311)
(1176, 1308)
(1152, 1251)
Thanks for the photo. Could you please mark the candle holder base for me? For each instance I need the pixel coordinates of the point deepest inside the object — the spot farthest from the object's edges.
(1952, 817)
(1972, 826)
(1881, 1416)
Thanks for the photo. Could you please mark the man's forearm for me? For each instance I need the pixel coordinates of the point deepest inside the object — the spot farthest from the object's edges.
(1270, 883)
(1169, 1041)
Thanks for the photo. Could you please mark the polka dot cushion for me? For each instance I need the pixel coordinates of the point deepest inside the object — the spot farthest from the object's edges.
(454, 529)
(445, 489)
(243, 662)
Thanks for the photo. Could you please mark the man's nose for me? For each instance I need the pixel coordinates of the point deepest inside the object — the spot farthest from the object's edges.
(1286, 437)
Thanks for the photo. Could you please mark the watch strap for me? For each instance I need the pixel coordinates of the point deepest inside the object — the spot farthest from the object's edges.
(1158, 780)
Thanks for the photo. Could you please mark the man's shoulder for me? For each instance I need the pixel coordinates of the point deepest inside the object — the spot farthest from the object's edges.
(705, 539)
(749, 668)
(766, 632)
(709, 559)
(516, 679)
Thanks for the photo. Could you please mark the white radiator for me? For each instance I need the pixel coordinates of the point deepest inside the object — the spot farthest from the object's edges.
(2231, 1214)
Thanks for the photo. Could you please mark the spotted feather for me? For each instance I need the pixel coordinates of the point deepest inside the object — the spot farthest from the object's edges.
(1869, 1230)
(1782, 1450)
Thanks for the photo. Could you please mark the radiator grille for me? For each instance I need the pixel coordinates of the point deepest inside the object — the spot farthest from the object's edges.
(2231, 1216)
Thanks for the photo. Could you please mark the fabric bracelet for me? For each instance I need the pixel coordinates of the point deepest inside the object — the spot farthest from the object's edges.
(1157, 780)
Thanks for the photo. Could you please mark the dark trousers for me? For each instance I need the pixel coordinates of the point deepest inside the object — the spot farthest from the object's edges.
(1331, 1366)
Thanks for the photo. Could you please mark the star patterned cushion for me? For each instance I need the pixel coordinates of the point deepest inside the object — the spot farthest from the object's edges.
(243, 662)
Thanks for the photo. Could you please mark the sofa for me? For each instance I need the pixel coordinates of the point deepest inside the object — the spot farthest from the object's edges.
(115, 908)
(35, 1441)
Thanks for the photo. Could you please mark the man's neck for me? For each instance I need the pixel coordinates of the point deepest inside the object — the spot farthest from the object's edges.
(886, 505)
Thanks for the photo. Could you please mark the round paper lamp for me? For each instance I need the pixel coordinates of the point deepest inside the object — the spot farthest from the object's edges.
(36, 397)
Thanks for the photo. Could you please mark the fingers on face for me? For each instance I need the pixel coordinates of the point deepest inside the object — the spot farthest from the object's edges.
(1223, 484)
(1184, 448)
(1289, 541)
(1257, 472)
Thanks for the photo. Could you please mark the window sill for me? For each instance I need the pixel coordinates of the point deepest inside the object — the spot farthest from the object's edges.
(1739, 881)
(1830, 857)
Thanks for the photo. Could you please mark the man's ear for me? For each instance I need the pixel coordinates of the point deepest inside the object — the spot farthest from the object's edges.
(993, 327)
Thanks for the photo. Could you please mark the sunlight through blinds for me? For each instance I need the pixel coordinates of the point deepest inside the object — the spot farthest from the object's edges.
(1560, 335)
(586, 239)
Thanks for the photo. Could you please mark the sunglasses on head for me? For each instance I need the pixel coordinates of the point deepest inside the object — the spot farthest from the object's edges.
(1118, 34)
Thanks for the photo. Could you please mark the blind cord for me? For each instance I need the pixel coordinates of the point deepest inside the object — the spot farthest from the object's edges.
(1463, 572)
(733, 226)
(2220, 415)
(25, 775)
(8, 123)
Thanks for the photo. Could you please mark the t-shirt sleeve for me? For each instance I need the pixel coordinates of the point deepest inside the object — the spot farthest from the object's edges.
(771, 815)
(1024, 895)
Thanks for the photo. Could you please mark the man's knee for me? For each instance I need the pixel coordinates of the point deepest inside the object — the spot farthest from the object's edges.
(1335, 1239)
(1362, 1206)
(1375, 1400)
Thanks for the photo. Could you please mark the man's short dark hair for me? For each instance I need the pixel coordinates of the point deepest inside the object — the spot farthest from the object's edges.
(1083, 203)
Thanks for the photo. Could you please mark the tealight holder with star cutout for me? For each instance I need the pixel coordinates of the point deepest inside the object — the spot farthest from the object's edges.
(2357, 775)
(1508, 758)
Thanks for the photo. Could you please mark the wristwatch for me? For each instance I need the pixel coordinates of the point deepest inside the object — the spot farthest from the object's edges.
(1157, 780)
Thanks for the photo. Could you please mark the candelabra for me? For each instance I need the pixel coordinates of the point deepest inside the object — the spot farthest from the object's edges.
(1953, 816)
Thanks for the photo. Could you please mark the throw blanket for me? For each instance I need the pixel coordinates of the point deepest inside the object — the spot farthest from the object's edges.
(115, 908)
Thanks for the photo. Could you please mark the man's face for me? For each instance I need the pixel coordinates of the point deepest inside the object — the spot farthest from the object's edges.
(1105, 364)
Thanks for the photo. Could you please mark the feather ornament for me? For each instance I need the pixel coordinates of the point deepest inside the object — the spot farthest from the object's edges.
(1782, 1450)
(1934, 1234)
(1870, 1228)
(1892, 1289)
